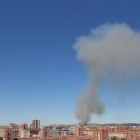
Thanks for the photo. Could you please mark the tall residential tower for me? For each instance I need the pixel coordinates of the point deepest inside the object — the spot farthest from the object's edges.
(36, 124)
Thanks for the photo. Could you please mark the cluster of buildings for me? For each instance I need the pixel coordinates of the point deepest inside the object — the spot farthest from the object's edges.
(35, 131)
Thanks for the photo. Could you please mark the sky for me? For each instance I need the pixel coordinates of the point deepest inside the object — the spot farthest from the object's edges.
(40, 76)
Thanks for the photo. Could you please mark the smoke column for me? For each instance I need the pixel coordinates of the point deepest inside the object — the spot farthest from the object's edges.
(110, 51)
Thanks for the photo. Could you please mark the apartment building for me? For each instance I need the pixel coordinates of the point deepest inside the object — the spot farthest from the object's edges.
(36, 124)
(24, 126)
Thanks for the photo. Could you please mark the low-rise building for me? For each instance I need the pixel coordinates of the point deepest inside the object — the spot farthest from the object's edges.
(24, 133)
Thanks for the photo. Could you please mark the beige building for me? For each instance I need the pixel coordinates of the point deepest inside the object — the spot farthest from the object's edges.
(117, 134)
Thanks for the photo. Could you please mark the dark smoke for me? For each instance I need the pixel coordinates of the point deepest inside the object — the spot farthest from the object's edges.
(110, 51)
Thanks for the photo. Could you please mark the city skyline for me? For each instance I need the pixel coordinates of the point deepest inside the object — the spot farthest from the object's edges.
(70, 132)
(40, 75)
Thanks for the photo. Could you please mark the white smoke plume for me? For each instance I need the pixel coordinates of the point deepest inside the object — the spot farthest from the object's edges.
(109, 51)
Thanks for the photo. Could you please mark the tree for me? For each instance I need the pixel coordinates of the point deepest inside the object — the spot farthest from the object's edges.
(113, 138)
(123, 139)
(1, 138)
(71, 133)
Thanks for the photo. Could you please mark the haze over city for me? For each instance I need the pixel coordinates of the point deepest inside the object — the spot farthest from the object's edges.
(69, 62)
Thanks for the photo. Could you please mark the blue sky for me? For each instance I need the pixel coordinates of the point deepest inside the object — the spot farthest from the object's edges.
(39, 74)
